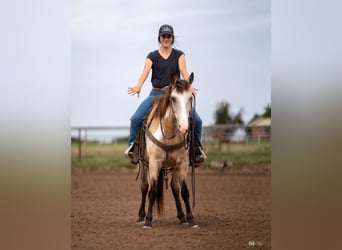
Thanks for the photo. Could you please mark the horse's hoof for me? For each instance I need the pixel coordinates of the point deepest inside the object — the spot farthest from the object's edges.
(147, 227)
(140, 222)
(185, 223)
(195, 226)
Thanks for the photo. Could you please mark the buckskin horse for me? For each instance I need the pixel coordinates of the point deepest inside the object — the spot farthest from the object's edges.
(166, 150)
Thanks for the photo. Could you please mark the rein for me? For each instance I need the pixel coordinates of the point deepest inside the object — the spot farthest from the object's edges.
(192, 147)
(165, 147)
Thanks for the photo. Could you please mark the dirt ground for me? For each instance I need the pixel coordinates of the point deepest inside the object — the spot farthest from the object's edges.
(233, 210)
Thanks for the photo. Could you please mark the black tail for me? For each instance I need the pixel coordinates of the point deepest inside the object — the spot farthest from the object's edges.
(160, 193)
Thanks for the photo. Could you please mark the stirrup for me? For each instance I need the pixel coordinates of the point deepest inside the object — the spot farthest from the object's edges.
(200, 158)
(204, 155)
(130, 155)
(128, 150)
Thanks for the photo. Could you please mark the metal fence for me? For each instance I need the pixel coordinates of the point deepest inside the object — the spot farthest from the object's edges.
(216, 133)
(104, 134)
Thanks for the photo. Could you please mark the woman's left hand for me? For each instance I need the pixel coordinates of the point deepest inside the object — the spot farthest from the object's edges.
(193, 89)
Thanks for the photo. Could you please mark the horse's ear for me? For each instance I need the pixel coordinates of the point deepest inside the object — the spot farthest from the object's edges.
(174, 79)
(191, 78)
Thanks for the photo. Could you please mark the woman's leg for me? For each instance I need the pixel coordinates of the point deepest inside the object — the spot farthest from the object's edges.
(198, 129)
(140, 113)
(136, 121)
(138, 117)
(199, 154)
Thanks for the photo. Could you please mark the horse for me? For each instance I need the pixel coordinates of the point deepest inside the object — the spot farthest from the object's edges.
(166, 150)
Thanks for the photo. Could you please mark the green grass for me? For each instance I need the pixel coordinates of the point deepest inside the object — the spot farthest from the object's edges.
(96, 154)
(247, 153)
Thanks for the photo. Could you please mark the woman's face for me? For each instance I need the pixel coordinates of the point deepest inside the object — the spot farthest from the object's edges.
(166, 40)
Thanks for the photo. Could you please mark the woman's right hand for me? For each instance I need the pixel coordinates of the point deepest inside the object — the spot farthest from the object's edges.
(134, 90)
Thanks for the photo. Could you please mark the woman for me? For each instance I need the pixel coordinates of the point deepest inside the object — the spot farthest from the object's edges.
(164, 62)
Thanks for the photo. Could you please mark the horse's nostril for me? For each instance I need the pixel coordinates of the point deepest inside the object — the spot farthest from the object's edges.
(182, 129)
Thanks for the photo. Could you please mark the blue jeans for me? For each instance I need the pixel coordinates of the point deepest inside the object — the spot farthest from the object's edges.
(144, 107)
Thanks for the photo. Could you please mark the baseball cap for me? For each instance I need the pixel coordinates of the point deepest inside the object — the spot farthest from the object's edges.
(166, 29)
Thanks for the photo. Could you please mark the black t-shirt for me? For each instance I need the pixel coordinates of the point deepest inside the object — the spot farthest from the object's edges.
(162, 69)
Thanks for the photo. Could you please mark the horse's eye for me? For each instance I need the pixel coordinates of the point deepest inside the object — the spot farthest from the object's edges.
(173, 100)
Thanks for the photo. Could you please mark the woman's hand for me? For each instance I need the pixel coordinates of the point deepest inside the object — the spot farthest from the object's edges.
(193, 89)
(137, 88)
(134, 90)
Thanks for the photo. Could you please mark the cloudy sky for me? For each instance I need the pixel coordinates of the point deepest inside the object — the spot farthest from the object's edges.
(226, 44)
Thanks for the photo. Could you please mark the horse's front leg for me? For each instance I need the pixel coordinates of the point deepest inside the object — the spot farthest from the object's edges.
(185, 196)
(152, 195)
(141, 214)
(175, 191)
(143, 171)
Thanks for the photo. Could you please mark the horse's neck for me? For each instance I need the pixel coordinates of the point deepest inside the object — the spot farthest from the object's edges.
(166, 124)
(168, 121)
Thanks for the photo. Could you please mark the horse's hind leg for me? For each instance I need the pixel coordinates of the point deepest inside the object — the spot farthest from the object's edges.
(185, 196)
(175, 192)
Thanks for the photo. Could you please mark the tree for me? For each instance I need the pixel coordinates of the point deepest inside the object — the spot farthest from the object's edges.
(222, 116)
(237, 120)
(267, 111)
(266, 114)
(222, 113)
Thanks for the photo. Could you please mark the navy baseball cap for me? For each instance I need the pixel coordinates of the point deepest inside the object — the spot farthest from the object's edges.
(166, 29)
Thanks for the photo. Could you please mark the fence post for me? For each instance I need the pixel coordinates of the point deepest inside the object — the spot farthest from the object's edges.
(220, 145)
(85, 143)
(79, 144)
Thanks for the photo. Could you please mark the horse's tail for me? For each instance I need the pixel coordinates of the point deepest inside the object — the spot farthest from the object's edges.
(160, 193)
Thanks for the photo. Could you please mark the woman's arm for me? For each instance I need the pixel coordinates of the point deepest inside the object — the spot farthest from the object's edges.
(182, 67)
(184, 72)
(137, 88)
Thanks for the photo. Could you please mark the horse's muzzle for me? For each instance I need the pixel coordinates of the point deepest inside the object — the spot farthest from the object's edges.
(182, 129)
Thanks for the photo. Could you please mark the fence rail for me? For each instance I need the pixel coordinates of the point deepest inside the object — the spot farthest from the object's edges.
(85, 130)
(217, 133)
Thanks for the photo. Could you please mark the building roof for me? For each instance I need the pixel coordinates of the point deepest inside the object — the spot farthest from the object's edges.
(261, 122)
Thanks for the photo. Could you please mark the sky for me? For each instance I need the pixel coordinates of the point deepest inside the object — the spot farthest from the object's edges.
(226, 44)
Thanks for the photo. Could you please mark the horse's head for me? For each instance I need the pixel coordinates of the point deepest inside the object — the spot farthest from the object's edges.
(180, 99)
